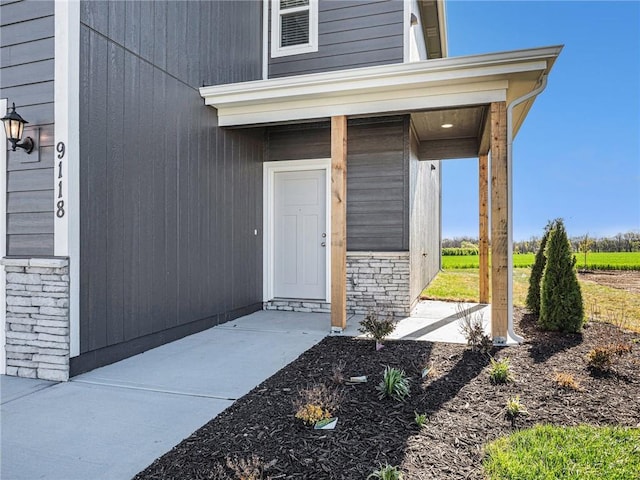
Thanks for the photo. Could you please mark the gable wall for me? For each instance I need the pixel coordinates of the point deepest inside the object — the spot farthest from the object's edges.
(26, 78)
(354, 33)
(169, 202)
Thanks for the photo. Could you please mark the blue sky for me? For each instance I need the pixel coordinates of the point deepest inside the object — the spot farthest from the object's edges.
(577, 155)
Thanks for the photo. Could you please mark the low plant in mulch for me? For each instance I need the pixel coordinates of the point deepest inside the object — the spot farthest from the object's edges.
(472, 329)
(420, 419)
(387, 472)
(316, 403)
(377, 327)
(394, 384)
(567, 381)
(602, 358)
(500, 370)
(515, 409)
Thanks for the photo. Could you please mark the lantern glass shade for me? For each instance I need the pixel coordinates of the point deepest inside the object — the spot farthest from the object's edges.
(13, 125)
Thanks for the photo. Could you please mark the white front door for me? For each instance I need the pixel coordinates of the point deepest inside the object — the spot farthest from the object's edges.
(300, 252)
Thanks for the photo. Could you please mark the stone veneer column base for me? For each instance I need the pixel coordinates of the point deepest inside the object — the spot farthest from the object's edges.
(378, 282)
(293, 305)
(37, 317)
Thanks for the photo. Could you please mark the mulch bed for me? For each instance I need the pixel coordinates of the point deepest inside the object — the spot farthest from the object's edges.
(465, 411)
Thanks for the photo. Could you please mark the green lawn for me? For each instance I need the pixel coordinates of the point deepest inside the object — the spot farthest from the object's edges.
(600, 302)
(595, 261)
(565, 453)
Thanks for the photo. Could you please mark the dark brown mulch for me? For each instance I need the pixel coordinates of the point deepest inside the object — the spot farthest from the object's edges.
(464, 409)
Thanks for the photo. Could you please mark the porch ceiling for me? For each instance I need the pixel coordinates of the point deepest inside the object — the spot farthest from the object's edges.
(453, 90)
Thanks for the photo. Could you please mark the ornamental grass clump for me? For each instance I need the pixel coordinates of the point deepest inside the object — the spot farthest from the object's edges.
(514, 409)
(560, 296)
(500, 371)
(472, 328)
(567, 381)
(394, 384)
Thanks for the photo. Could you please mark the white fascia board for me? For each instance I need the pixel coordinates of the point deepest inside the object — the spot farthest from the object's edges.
(363, 104)
(393, 81)
(442, 22)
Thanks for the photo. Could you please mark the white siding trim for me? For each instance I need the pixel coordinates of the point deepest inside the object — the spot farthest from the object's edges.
(269, 171)
(3, 238)
(406, 32)
(312, 46)
(67, 130)
(265, 39)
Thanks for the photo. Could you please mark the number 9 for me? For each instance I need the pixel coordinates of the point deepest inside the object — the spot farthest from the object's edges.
(60, 148)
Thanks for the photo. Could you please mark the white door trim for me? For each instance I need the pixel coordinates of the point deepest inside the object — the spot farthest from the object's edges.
(3, 239)
(268, 247)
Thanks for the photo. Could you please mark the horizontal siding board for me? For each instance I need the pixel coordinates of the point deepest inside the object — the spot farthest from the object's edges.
(41, 244)
(30, 202)
(26, 73)
(22, 53)
(31, 94)
(29, 180)
(336, 62)
(25, 11)
(334, 11)
(26, 31)
(37, 114)
(30, 223)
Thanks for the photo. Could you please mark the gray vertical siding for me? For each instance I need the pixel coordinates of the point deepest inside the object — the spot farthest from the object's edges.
(424, 211)
(377, 176)
(26, 79)
(169, 202)
(353, 33)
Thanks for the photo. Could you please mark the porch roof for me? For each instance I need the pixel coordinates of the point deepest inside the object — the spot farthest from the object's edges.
(428, 86)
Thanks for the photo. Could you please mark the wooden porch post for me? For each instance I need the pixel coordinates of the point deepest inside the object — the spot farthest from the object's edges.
(339, 222)
(499, 223)
(483, 247)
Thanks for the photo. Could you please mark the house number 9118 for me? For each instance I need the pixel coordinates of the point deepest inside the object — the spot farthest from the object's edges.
(61, 149)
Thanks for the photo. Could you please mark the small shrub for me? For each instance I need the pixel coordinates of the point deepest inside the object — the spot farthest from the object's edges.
(377, 328)
(394, 384)
(533, 294)
(472, 328)
(387, 472)
(337, 373)
(251, 468)
(500, 370)
(602, 358)
(560, 296)
(316, 403)
(514, 409)
(420, 419)
(566, 381)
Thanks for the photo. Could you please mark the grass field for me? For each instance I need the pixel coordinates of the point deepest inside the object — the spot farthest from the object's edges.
(570, 453)
(600, 302)
(595, 261)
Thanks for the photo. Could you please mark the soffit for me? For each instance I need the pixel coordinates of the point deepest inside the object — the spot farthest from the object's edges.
(429, 90)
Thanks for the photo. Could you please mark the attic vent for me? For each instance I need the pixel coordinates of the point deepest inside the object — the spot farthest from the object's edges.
(294, 27)
(432, 32)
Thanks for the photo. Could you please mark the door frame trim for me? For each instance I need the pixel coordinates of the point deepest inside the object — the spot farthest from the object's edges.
(268, 239)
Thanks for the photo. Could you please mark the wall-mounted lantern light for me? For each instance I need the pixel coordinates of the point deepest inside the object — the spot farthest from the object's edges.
(14, 128)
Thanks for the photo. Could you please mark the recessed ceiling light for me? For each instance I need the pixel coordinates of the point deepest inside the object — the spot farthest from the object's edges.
(447, 125)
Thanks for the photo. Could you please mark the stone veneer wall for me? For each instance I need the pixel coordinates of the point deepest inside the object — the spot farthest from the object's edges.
(376, 282)
(37, 320)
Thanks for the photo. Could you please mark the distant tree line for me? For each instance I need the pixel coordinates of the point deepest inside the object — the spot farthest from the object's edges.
(622, 242)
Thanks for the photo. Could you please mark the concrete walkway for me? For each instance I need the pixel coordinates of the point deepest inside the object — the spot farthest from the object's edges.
(114, 421)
